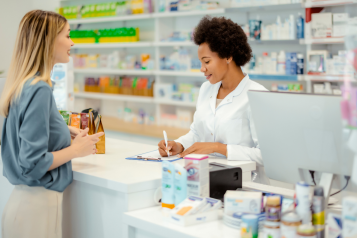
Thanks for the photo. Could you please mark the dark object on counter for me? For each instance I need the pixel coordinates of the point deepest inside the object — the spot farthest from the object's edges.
(222, 178)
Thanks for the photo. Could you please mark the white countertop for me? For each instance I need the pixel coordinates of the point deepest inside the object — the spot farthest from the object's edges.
(151, 220)
(113, 171)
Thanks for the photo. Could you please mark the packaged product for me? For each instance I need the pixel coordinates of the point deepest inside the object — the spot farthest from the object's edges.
(84, 120)
(65, 115)
(76, 120)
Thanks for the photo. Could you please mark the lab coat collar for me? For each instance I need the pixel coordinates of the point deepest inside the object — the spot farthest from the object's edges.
(229, 98)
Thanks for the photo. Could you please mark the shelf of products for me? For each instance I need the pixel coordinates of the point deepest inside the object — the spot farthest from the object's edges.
(338, 78)
(112, 45)
(175, 103)
(327, 3)
(188, 13)
(266, 7)
(179, 73)
(111, 19)
(113, 71)
(174, 43)
(114, 97)
(112, 123)
(322, 41)
(276, 77)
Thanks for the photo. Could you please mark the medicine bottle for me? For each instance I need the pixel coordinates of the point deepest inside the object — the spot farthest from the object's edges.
(306, 231)
(289, 225)
(271, 229)
(273, 208)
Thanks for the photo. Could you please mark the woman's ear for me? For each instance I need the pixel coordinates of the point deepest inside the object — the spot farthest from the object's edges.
(229, 59)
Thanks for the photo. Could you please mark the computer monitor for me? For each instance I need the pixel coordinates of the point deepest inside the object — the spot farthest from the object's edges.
(301, 132)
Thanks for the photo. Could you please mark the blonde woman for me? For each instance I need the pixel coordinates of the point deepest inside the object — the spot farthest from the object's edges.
(36, 143)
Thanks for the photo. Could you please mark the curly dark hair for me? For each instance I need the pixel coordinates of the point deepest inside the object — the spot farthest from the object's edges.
(224, 37)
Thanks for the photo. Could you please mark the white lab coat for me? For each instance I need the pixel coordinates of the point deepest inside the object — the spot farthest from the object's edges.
(231, 123)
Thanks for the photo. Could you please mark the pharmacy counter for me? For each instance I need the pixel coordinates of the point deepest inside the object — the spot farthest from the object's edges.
(106, 186)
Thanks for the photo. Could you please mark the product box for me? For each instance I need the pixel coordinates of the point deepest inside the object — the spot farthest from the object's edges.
(247, 202)
(339, 18)
(189, 206)
(321, 25)
(195, 219)
(334, 222)
(349, 217)
(197, 175)
(291, 64)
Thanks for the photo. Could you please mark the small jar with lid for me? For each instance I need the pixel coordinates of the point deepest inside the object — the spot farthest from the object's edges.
(271, 229)
(273, 208)
(289, 225)
(306, 231)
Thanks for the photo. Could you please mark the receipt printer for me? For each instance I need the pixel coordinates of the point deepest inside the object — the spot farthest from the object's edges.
(222, 178)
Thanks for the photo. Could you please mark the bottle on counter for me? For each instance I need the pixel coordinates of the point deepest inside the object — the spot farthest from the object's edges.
(318, 211)
(273, 208)
(306, 231)
(271, 229)
(249, 226)
(289, 225)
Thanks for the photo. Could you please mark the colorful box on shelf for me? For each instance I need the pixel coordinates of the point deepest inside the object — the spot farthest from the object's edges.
(106, 9)
(120, 85)
(106, 35)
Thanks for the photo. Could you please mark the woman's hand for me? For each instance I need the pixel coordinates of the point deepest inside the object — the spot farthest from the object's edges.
(173, 147)
(84, 145)
(74, 131)
(205, 148)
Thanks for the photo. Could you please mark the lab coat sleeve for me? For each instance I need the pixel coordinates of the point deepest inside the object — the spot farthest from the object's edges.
(190, 138)
(239, 152)
(34, 158)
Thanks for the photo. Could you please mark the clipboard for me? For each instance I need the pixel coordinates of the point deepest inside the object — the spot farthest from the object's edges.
(152, 156)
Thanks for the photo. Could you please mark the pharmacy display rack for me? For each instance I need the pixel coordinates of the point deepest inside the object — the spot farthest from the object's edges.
(155, 43)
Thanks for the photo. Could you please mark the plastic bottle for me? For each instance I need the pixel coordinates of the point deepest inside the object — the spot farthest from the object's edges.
(303, 202)
(289, 225)
(292, 28)
(281, 63)
(278, 28)
(273, 209)
(271, 229)
(168, 197)
(273, 62)
(300, 23)
(318, 212)
(306, 231)
(180, 184)
(266, 62)
(300, 64)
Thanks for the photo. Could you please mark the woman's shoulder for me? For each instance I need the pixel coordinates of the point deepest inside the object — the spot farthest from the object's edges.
(256, 86)
(31, 88)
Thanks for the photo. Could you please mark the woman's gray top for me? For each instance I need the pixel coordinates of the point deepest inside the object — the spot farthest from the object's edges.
(33, 129)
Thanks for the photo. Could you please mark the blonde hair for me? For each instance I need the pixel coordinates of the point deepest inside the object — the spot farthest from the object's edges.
(33, 53)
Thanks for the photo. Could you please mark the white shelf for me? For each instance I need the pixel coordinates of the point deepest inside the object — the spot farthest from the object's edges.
(115, 97)
(112, 45)
(295, 41)
(189, 13)
(327, 3)
(175, 103)
(268, 7)
(179, 73)
(322, 41)
(325, 77)
(114, 71)
(111, 19)
(174, 43)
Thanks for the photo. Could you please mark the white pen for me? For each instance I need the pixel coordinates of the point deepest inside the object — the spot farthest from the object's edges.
(165, 137)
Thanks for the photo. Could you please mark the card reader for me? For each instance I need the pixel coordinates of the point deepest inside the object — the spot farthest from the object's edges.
(222, 178)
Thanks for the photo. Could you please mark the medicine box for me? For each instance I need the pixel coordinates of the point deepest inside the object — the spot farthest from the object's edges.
(349, 217)
(195, 219)
(247, 202)
(339, 18)
(197, 175)
(334, 222)
(321, 25)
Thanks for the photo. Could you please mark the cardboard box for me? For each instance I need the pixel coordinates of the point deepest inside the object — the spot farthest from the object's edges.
(197, 175)
(349, 217)
(340, 18)
(321, 25)
(195, 218)
(247, 202)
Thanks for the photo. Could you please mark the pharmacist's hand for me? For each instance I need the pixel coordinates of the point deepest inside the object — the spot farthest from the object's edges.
(74, 131)
(84, 145)
(199, 148)
(173, 147)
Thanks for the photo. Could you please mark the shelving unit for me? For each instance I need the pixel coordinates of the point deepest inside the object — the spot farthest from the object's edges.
(159, 21)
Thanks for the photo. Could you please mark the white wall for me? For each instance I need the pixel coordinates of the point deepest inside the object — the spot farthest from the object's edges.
(11, 13)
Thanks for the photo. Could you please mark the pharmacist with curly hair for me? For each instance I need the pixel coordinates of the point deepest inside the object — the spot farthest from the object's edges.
(223, 124)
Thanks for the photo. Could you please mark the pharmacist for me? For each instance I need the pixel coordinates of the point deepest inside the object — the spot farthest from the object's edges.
(223, 123)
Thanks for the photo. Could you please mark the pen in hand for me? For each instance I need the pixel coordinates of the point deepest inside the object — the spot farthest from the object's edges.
(165, 137)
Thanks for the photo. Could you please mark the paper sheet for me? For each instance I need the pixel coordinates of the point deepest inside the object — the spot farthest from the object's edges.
(155, 154)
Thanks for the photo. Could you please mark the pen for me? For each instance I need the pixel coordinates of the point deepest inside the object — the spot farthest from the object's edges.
(165, 137)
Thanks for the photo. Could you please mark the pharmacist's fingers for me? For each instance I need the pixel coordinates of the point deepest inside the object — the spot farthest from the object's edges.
(189, 150)
(96, 136)
(162, 152)
(170, 145)
(162, 145)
